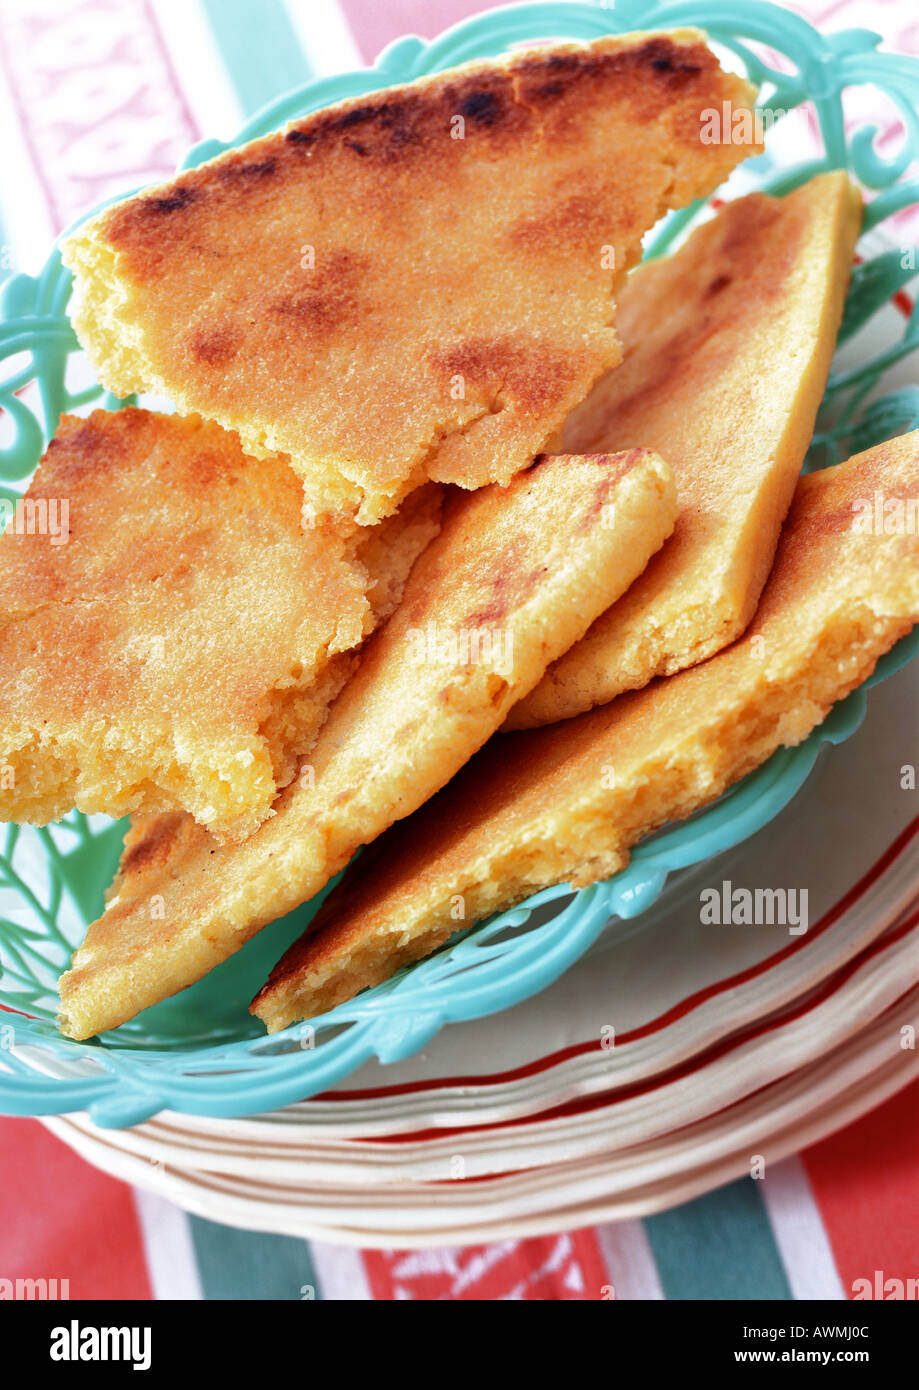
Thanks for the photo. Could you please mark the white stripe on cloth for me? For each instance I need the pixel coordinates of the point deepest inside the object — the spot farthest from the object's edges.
(168, 1247)
(340, 1271)
(28, 227)
(629, 1260)
(199, 68)
(325, 36)
(797, 1226)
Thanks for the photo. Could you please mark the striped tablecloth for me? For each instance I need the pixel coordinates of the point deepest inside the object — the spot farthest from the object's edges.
(100, 95)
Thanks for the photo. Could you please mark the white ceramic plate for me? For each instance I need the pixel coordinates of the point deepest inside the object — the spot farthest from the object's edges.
(620, 1118)
(775, 1121)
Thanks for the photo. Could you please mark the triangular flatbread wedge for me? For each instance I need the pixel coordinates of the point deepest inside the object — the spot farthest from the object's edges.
(174, 639)
(728, 345)
(417, 283)
(565, 804)
(513, 578)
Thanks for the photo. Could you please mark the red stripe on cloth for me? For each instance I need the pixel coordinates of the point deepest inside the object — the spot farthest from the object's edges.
(374, 25)
(550, 1268)
(866, 1183)
(62, 1219)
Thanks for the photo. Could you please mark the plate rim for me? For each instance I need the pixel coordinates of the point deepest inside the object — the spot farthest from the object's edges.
(853, 1101)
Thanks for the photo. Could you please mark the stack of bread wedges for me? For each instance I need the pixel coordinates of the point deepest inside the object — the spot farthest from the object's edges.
(473, 541)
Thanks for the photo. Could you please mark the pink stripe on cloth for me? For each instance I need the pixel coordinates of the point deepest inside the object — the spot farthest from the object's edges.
(62, 1220)
(97, 98)
(374, 25)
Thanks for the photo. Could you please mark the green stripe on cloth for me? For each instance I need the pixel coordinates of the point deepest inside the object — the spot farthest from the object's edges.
(720, 1246)
(251, 1265)
(259, 49)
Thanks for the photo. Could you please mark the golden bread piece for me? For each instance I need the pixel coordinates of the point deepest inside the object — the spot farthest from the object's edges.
(565, 804)
(179, 645)
(728, 345)
(417, 283)
(515, 575)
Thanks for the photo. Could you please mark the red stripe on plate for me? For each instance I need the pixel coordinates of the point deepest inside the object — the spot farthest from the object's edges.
(647, 1085)
(586, 1105)
(554, 1268)
(866, 1183)
(62, 1219)
(686, 1006)
(903, 302)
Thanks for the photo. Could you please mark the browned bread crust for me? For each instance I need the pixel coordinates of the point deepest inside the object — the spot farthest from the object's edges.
(384, 302)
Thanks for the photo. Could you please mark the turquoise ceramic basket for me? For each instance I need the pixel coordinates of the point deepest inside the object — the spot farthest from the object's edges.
(201, 1052)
